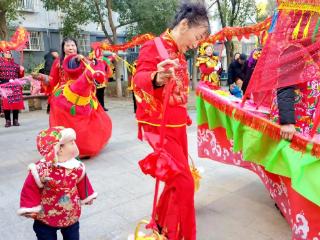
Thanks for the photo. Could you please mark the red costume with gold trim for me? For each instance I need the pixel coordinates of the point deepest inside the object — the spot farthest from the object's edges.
(209, 66)
(175, 213)
(74, 105)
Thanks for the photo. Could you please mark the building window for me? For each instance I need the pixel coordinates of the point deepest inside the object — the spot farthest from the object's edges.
(84, 43)
(35, 42)
(27, 5)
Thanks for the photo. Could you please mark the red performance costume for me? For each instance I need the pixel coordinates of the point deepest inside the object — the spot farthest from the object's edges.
(175, 213)
(74, 104)
(209, 66)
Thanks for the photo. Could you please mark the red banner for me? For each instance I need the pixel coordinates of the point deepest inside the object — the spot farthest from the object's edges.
(228, 32)
(138, 40)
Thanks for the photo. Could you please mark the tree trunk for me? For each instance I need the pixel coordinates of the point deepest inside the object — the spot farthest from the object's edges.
(3, 25)
(118, 79)
(194, 71)
(114, 37)
(229, 51)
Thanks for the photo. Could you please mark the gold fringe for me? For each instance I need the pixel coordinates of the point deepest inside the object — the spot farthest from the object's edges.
(296, 30)
(306, 29)
(310, 6)
(258, 123)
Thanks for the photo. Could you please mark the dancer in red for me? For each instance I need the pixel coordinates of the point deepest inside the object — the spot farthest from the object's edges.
(73, 101)
(75, 105)
(175, 213)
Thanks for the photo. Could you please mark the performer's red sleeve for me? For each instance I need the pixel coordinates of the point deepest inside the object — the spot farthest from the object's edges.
(146, 67)
(205, 69)
(54, 75)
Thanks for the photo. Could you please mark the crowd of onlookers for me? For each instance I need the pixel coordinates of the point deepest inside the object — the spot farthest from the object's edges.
(240, 71)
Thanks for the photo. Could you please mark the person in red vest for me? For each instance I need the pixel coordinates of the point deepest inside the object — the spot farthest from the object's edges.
(175, 212)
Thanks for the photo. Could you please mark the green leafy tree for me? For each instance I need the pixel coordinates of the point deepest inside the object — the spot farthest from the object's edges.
(265, 9)
(234, 13)
(8, 13)
(147, 15)
(137, 16)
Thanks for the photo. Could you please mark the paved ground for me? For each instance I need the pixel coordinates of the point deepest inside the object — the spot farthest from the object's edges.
(231, 203)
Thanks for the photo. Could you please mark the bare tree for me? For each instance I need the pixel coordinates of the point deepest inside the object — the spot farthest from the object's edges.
(234, 13)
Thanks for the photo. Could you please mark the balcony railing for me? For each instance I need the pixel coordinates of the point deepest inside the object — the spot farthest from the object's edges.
(27, 5)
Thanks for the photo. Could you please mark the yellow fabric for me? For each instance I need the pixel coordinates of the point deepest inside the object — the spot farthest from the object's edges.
(77, 99)
(153, 236)
(202, 48)
(306, 29)
(209, 61)
(296, 30)
(158, 125)
(295, 6)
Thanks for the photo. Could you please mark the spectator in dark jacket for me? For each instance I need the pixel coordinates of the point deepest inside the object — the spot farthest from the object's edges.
(236, 71)
(49, 59)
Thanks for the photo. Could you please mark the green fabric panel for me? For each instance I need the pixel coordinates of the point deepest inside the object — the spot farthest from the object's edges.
(276, 156)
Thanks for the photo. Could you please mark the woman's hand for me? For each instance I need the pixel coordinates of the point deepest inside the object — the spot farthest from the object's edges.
(79, 57)
(287, 131)
(165, 71)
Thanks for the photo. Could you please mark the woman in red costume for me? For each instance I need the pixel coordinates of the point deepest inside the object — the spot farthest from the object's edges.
(209, 65)
(73, 99)
(58, 75)
(175, 213)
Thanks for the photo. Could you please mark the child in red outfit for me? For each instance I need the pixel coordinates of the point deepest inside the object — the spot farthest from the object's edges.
(56, 186)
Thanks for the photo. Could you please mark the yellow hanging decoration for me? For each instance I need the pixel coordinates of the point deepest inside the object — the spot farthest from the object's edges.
(306, 29)
(195, 174)
(296, 30)
(153, 236)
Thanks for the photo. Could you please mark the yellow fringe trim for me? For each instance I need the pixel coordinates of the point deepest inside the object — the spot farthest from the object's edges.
(296, 30)
(306, 29)
(295, 6)
(77, 99)
(158, 125)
